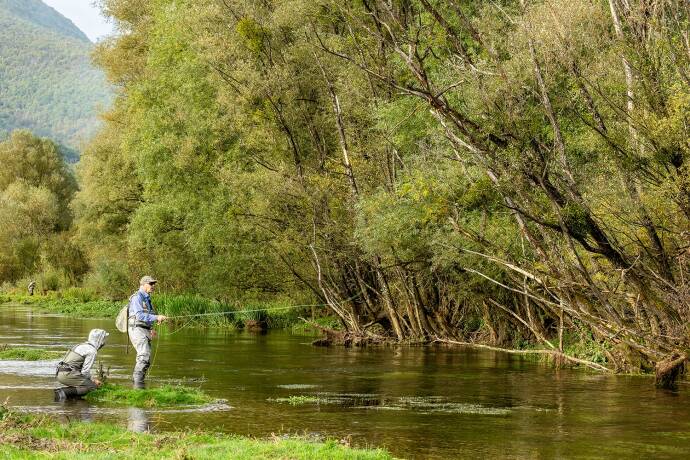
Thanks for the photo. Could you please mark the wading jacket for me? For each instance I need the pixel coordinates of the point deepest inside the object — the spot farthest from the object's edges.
(81, 358)
(141, 311)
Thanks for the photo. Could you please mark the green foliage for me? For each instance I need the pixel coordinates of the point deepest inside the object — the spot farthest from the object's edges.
(49, 83)
(417, 179)
(36, 187)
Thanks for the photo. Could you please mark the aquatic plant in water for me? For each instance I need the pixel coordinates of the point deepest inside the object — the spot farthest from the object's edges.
(27, 354)
(426, 404)
(167, 395)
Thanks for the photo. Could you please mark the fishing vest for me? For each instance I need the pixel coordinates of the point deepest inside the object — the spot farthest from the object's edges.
(72, 361)
(148, 308)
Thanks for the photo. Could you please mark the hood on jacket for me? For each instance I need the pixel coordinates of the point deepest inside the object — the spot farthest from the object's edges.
(97, 338)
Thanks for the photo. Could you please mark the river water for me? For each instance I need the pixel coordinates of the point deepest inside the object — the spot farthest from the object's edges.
(418, 402)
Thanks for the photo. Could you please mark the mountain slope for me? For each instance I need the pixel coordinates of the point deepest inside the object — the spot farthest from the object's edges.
(47, 81)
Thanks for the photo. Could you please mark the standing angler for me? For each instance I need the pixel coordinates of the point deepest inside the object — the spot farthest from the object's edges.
(75, 368)
(141, 318)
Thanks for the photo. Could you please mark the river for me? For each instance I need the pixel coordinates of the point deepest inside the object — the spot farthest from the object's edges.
(417, 402)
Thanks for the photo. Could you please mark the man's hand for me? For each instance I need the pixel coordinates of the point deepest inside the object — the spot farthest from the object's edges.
(162, 318)
(97, 382)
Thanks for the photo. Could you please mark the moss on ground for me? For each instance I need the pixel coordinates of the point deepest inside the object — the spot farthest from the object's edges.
(38, 437)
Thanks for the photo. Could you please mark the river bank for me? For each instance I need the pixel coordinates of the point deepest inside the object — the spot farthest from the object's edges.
(189, 310)
(23, 436)
(186, 310)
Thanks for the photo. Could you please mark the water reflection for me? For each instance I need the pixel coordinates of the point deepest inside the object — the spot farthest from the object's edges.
(138, 420)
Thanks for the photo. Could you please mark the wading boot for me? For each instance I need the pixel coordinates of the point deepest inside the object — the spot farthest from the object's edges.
(65, 393)
(138, 381)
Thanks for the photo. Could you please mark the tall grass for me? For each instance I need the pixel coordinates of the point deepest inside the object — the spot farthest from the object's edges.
(215, 313)
(275, 315)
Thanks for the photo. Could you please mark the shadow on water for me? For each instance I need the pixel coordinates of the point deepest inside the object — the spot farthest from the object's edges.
(419, 402)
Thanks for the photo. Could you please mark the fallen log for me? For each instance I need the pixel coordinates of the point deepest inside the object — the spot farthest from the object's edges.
(554, 353)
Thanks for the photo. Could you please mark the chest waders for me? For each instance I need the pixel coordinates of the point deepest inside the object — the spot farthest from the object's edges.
(140, 336)
(68, 373)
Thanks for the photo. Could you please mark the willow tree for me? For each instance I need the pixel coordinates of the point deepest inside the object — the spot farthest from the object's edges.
(498, 172)
(560, 104)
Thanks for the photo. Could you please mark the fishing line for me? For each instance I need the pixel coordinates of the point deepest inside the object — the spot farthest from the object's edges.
(246, 311)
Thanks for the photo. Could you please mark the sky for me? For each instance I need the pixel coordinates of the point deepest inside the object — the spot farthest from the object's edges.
(84, 15)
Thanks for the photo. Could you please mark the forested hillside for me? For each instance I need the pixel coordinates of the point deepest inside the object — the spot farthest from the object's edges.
(504, 172)
(47, 81)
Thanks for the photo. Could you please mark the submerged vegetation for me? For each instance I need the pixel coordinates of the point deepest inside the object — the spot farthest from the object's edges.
(24, 436)
(27, 354)
(167, 395)
(428, 404)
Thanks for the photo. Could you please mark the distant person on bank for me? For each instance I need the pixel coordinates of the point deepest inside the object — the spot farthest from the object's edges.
(31, 287)
(74, 370)
(141, 318)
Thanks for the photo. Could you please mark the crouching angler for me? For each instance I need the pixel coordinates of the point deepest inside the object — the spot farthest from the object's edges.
(141, 318)
(74, 370)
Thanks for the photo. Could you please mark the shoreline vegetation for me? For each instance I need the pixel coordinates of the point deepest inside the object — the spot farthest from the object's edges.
(79, 302)
(250, 315)
(41, 436)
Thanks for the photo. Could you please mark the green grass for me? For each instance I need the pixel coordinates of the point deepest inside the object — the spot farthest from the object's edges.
(68, 306)
(27, 354)
(168, 395)
(39, 437)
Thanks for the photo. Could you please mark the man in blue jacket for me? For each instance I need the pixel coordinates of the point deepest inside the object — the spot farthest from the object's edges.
(141, 318)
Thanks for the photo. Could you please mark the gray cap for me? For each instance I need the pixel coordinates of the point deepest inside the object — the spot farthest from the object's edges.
(147, 280)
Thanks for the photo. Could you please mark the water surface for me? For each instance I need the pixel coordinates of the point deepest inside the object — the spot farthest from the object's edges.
(418, 402)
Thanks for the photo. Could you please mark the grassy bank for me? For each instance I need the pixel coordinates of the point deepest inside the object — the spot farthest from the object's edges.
(26, 436)
(168, 395)
(190, 310)
(27, 354)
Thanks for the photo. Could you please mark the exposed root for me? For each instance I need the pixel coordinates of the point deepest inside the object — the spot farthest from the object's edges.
(345, 338)
(669, 371)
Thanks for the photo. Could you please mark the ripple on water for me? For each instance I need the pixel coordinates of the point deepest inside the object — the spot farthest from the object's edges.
(218, 406)
(32, 368)
(28, 387)
(297, 386)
